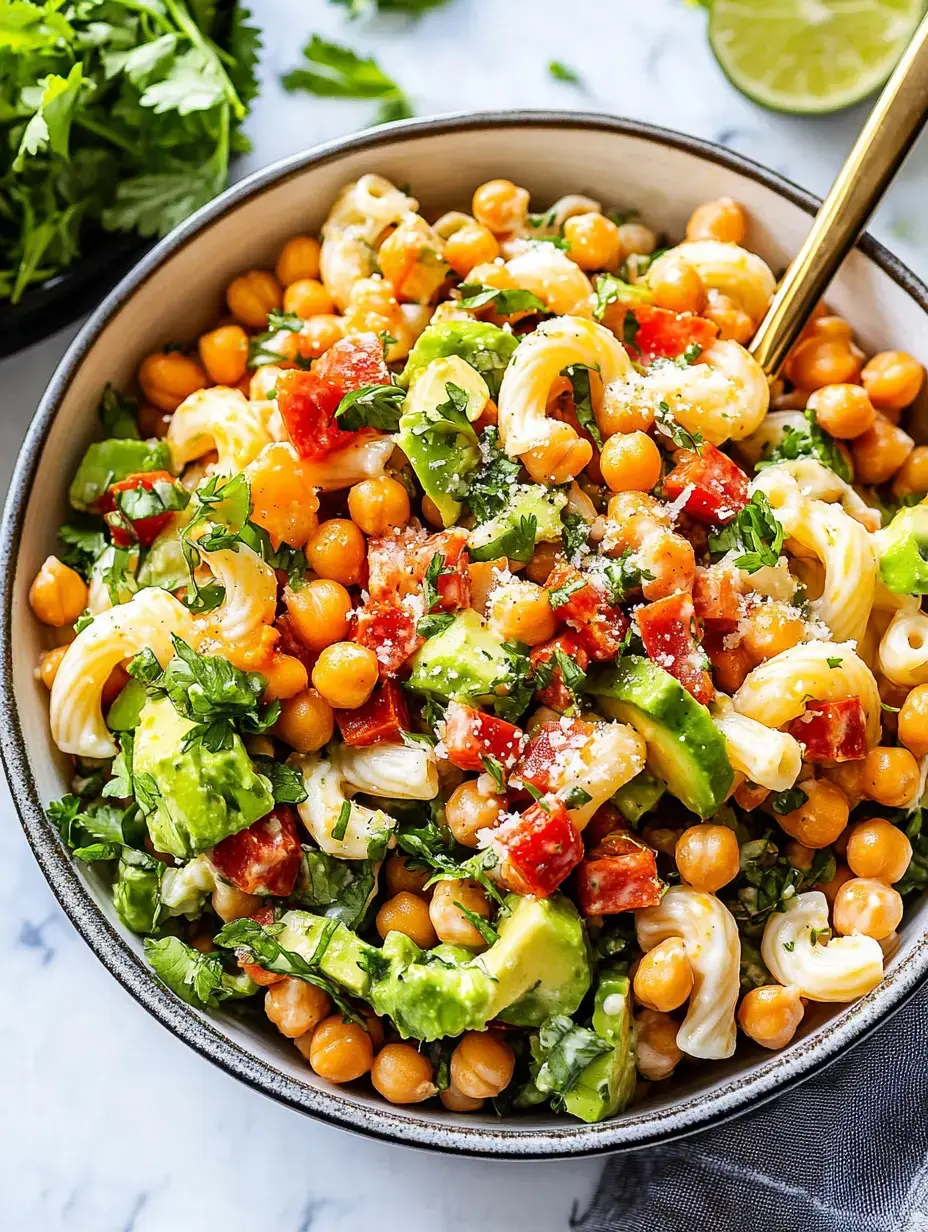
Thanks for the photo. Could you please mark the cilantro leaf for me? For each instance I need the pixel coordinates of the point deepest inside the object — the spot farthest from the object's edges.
(517, 542)
(286, 783)
(371, 406)
(572, 674)
(665, 423)
(488, 488)
(576, 533)
(788, 801)
(623, 575)
(561, 594)
(333, 71)
(612, 290)
(755, 531)
(50, 126)
(562, 1050)
(579, 377)
(562, 72)
(85, 541)
(199, 979)
(809, 441)
(505, 302)
(117, 413)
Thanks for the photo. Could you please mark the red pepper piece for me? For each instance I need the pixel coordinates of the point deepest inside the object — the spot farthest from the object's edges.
(719, 486)
(556, 694)
(146, 530)
(538, 849)
(390, 631)
(832, 731)
(600, 626)
(352, 363)
(265, 858)
(550, 746)
(717, 599)
(618, 875)
(667, 631)
(469, 735)
(383, 717)
(662, 334)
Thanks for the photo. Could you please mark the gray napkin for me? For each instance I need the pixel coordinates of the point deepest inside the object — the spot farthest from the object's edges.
(846, 1151)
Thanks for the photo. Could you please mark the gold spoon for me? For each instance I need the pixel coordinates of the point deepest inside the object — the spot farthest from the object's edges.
(896, 120)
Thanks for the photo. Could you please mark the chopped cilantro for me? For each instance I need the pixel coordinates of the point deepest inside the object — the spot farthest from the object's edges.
(788, 801)
(612, 290)
(561, 594)
(666, 424)
(494, 768)
(834, 662)
(483, 927)
(579, 377)
(576, 533)
(333, 71)
(623, 575)
(562, 72)
(755, 532)
(489, 487)
(371, 406)
(810, 441)
(504, 301)
(341, 824)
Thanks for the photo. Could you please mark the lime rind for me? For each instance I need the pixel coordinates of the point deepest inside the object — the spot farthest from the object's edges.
(809, 57)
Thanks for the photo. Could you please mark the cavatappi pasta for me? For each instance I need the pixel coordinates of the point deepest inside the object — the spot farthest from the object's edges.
(469, 658)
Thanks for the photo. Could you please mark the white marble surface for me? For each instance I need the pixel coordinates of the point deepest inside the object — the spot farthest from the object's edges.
(107, 1123)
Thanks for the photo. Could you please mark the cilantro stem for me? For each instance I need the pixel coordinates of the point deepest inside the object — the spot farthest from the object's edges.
(103, 130)
(178, 10)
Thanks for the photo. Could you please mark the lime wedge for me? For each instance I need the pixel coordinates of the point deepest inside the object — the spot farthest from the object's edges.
(810, 56)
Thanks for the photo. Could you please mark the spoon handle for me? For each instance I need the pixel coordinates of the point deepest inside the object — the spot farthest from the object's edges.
(886, 138)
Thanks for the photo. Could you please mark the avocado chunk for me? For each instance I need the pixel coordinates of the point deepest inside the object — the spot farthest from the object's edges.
(487, 349)
(164, 563)
(430, 994)
(464, 662)
(510, 534)
(346, 959)
(199, 797)
(686, 751)
(106, 462)
(638, 796)
(126, 710)
(902, 550)
(436, 434)
(606, 1085)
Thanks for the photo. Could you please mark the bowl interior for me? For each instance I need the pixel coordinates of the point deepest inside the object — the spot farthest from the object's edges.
(174, 294)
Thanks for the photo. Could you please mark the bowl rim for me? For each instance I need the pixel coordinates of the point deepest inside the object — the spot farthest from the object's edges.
(737, 1094)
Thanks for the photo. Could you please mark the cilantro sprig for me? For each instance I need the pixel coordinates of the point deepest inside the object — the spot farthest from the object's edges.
(755, 532)
(334, 71)
(809, 441)
(504, 301)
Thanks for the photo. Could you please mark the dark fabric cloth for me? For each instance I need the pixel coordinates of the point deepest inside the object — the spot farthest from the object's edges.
(846, 1151)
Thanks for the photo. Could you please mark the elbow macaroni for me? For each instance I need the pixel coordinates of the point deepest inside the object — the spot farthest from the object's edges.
(550, 274)
(147, 621)
(359, 217)
(842, 969)
(734, 271)
(713, 947)
(321, 812)
(772, 759)
(250, 592)
(217, 418)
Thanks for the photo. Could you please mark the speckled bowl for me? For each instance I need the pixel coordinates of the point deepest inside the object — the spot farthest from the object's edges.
(175, 291)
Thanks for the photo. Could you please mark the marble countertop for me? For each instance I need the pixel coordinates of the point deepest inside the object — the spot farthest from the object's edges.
(109, 1124)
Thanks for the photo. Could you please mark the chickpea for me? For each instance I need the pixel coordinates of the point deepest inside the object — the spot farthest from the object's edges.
(320, 611)
(306, 722)
(830, 888)
(661, 838)
(449, 921)
(671, 561)
(664, 979)
(345, 674)
(286, 676)
(470, 246)
(251, 296)
(231, 903)
(820, 818)
(823, 361)
(431, 513)
(771, 1015)
(224, 352)
(407, 913)
(469, 810)
(717, 220)
(339, 1051)
(283, 499)
(521, 612)
(561, 458)
(299, 258)
(378, 505)
(913, 721)
(827, 325)
(634, 238)
(403, 1075)
(732, 321)
(863, 905)
(889, 776)
(676, 285)
(153, 422)
(399, 875)
(49, 664)
(880, 451)
(58, 594)
(500, 206)
(166, 378)
(878, 850)
(307, 297)
(337, 550)
(544, 558)
(630, 463)
(482, 1065)
(708, 856)
(456, 1101)
(658, 1051)
(892, 379)
(844, 411)
(295, 1007)
(319, 333)
(593, 240)
(772, 628)
(911, 479)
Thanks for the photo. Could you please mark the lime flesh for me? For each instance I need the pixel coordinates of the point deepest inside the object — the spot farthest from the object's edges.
(810, 56)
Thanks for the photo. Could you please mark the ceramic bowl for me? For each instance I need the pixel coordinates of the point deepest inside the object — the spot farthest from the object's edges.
(174, 292)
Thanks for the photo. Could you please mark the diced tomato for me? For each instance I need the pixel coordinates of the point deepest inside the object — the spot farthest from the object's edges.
(538, 849)
(667, 631)
(265, 858)
(556, 694)
(389, 629)
(384, 716)
(391, 564)
(352, 363)
(600, 626)
(453, 583)
(717, 599)
(263, 916)
(146, 529)
(549, 749)
(618, 875)
(719, 486)
(397, 565)
(832, 731)
(662, 334)
(470, 735)
(307, 405)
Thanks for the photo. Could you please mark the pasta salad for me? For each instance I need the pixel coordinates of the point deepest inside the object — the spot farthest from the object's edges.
(471, 662)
